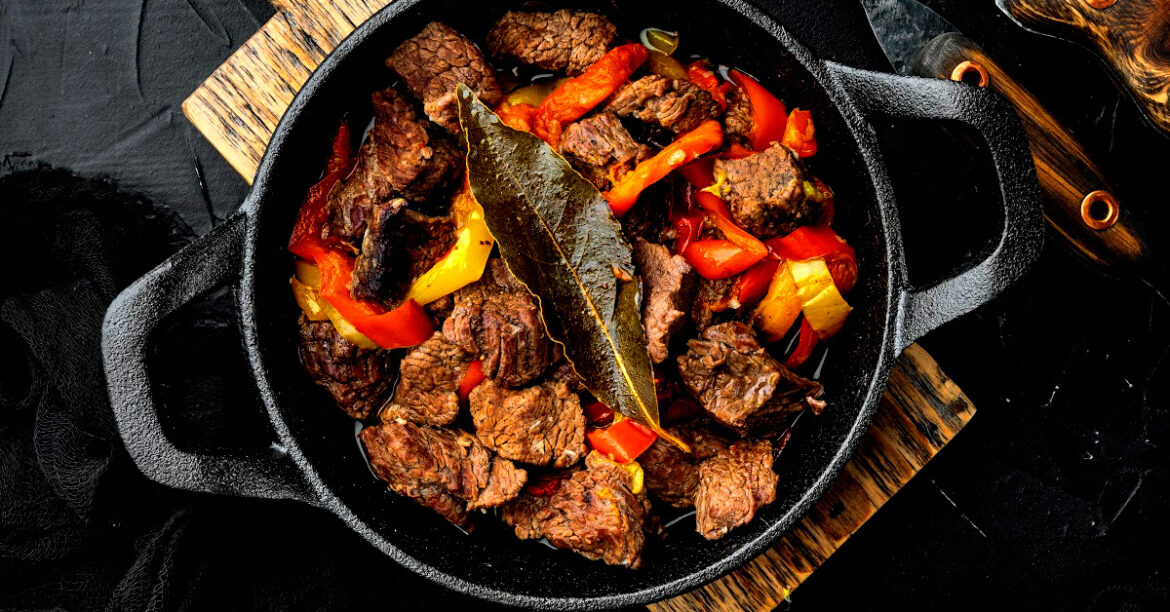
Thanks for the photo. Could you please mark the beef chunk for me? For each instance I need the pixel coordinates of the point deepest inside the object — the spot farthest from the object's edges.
(403, 155)
(497, 319)
(740, 384)
(541, 425)
(428, 381)
(737, 123)
(398, 246)
(601, 149)
(679, 106)
(765, 192)
(593, 512)
(565, 40)
(708, 294)
(436, 60)
(358, 379)
(669, 285)
(673, 475)
(733, 485)
(446, 470)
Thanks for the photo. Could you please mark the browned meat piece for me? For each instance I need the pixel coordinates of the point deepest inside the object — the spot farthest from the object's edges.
(601, 149)
(541, 425)
(403, 155)
(733, 485)
(565, 40)
(709, 293)
(358, 379)
(446, 470)
(428, 381)
(436, 60)
(563, 372)
(740, 384)
(673, 475)
(669, 287)
(679, 106)
(399, 245)
(737, 123)
(498, 320)
(593, 512)
(766, 192)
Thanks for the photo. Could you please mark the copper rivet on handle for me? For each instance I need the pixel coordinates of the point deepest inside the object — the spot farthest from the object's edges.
(1101, 4)
(1099, 210)
(966, 69)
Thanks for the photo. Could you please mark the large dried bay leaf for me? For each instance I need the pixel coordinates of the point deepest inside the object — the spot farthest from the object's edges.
(558, 237)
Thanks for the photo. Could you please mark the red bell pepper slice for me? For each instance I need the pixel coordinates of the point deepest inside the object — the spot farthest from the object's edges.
(687, 226)
(545, 484)
(471, 379)
(624, 440)
(752, 285)
(719, 259)
(406, 325)
(799, 134)
(305, 239)
(804, 347)
(812, 241)
(736, 151)
(769, 115)
(699, 74)
(581, 93)
(707, 136)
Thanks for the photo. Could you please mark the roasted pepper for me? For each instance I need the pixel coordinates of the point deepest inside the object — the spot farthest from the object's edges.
(465, 262)
(624, 440)
(471, 379)
(707, 136)
(581, 93)
(804, 347)
(305, 240)
(517, 116)
(823, 306)
(687, 225)
(769, 115)
(406, 325)
(779, 308)
(699, 74)
(751, 286)
(799, 134)
(719, 259)
(819, 241)
(598, 414)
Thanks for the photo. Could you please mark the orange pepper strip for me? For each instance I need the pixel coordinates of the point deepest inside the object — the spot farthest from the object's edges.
(719, 259)
(699, 74)
(682, 151)
(581, 93)
(517, 116)
(799, 134)
(471, 379)
(769, 115)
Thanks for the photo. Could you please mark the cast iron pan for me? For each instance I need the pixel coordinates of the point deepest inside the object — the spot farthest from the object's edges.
(316, 459)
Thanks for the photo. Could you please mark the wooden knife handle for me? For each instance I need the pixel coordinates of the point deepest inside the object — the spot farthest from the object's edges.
(1079, 204)
(1131, 35)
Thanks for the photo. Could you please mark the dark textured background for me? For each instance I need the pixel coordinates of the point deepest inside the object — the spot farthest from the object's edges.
(1056, 496)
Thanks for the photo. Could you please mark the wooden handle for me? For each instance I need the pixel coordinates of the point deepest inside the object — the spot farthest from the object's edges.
(1079, 204)
(1131, 35)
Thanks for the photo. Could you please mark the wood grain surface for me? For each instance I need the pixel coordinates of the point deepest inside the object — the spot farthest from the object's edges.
(237, 109)
(1133, 36)
(1066, 172)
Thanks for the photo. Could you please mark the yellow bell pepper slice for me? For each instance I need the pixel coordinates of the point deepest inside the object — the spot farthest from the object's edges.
(823, 305)
(306, 286)
(637, 476)
(779, 308)
(465, 263)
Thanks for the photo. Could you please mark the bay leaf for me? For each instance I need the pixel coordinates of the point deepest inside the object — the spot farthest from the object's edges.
(557, 235)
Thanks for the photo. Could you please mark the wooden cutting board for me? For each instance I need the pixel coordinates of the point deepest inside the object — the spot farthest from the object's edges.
(237, 109)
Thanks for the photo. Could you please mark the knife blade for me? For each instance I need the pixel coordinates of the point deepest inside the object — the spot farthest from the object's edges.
(1079, 204)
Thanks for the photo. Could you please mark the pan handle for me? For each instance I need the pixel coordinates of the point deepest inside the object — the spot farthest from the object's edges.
(126, 332)
(885, 95)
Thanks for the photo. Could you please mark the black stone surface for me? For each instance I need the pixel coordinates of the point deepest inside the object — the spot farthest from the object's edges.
(1056, 496)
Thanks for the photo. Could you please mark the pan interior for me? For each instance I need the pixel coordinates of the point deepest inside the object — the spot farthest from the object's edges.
(492, 558)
